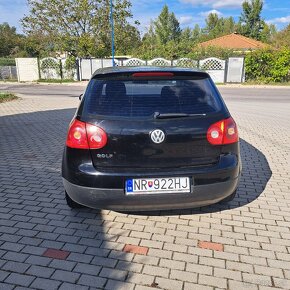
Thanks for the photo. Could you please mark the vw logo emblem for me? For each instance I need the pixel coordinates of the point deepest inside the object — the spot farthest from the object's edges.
(157, 136)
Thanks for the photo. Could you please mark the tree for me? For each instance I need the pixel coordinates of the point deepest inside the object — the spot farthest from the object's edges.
(187, 41)
(251, 23)
(282, 38)
(80, 27)
(127, 40)
(148, 48)
(196, 32)
(229, 25)
(268, 33)
(213, 24)
(217, 26)
(39, 45)
(10, 41)
(167, 27)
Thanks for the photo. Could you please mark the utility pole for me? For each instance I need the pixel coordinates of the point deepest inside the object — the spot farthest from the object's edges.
(113, 34)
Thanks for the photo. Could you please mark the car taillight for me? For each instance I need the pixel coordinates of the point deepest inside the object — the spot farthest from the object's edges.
(223, 132)
(97, 137)
(85, 136)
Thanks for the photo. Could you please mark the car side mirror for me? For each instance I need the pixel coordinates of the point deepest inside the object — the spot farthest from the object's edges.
(81, 96)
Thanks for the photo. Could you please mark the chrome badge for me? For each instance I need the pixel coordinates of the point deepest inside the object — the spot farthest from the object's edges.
(157, 136)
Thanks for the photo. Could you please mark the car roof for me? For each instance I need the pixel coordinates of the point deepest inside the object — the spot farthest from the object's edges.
(128, 69)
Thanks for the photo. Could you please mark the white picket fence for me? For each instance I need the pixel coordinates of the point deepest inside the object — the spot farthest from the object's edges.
(231, 70)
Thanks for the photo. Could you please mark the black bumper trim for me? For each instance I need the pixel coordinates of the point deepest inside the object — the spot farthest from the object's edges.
(115, 199)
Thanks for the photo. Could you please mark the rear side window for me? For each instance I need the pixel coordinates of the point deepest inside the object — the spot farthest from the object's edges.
(143, 98)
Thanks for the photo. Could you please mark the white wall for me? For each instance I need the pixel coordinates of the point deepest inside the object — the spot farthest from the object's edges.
(27, 69)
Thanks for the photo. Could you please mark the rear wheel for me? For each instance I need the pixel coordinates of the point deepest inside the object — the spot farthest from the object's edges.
(71, 203)
(230, 197)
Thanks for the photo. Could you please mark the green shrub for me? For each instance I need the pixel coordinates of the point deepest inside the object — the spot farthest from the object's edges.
(70, 63)
(70, 66)
(175, 50)
(268, 65)
(7, 62)
(281, 67)
(200, 53)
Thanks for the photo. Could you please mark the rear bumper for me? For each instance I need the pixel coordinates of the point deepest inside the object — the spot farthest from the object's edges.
(116, 199)
(95, 189)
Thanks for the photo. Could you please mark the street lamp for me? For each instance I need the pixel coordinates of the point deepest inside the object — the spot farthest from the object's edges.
(113, 36)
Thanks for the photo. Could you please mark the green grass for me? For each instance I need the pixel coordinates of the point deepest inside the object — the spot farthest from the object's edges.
(6, 97)
(53, 81)
(253, 83)
(264, 83)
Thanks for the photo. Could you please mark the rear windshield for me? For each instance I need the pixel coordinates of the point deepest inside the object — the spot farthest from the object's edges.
(144, 98)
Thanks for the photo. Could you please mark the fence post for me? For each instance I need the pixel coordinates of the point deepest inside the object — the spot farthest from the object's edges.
(78, 68)
(91, 66)
(60, 70)
(39, 68)
(81, 69)
(226, 70)
(243, 78)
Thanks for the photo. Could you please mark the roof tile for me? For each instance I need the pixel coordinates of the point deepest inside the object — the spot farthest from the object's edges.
(234, 41)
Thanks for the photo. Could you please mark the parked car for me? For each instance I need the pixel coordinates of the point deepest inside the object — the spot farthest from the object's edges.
(150, 138)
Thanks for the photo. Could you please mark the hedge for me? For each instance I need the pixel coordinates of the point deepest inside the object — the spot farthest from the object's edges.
(7, 62)
(268, 65)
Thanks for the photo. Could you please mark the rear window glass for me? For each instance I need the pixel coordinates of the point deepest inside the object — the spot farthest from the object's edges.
(143, 98)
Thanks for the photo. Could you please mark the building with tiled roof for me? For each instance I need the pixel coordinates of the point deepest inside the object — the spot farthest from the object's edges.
(234, 41)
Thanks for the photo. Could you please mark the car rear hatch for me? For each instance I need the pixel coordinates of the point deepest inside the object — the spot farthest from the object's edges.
(130, 107)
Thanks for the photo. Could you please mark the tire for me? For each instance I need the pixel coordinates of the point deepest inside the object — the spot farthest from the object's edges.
(71, 203)
(230, 197)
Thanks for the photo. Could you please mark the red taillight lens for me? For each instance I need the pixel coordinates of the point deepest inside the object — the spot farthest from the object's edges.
(97, 137)
(85, 136)
(77, 135)
(223, 132)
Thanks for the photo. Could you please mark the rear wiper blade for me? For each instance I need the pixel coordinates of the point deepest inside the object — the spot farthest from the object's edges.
(158, 115)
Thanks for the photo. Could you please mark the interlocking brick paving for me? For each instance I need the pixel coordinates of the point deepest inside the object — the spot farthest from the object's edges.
(211, 246)
(135, 249)
(240, 245)
(56, 254)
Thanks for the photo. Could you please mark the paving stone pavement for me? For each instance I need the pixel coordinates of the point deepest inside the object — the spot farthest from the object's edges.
(244, 244)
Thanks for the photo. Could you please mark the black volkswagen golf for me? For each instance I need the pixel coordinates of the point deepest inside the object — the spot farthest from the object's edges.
(150, 138)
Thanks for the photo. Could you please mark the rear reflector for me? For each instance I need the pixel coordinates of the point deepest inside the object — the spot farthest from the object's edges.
(152, 74)
(85, 136)
(223, 132)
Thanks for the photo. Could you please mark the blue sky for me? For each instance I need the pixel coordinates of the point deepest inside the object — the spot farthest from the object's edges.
(188, 12)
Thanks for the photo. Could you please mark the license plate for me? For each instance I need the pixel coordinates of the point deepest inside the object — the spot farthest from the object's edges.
(157, 185)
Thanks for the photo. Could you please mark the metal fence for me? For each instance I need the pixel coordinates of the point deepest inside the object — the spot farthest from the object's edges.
(8, 73)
